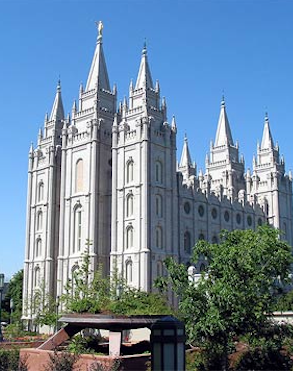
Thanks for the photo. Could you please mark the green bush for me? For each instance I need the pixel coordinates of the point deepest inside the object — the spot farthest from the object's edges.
(10, 361)
(61, 361)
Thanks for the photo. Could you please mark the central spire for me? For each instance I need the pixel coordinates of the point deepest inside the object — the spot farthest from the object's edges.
(144, 78)
(267, 139)
(98, 75)
(223, 135)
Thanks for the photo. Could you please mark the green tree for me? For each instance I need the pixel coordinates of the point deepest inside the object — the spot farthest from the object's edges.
(14, 292)
(236, 292)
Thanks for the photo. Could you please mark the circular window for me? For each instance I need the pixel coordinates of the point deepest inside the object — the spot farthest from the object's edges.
(214, 213)
(259, 222)
(201, 210)
(187, 207)
(249, 220)
(226, 216)
(238, 218)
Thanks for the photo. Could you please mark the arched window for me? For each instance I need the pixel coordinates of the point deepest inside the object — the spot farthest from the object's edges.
(159, 206)
(77, 229)
(128, 271)
(285, 230)
(129, 237)
(159, 172)
(187, 242)
(79, 176)
(39, 220)
(159, 268)
(40, 191)
(129, 171)
(37, 277)
(129, 205)
(38, 247)
(202, 267)
(159, 237)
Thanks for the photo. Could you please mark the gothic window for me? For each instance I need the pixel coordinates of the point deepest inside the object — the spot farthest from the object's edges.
(129, 171)
(201, 210)
(227, 216)
(159, 172)
(79, 176)
(214, 213)
(159, 237)
(128, 271)
(38, 247)
(159, 269)
(129, 237)
(202, 267)
(40, 191)
(37, 277)
(129, 205)
(238, 218)
(187, 207)
(77, 228)
(39, 220)
(159, 208)
(259, 222)
(249, 220)
(187, 242)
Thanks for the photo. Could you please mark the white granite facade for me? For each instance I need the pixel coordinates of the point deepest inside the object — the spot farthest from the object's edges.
(110, 176)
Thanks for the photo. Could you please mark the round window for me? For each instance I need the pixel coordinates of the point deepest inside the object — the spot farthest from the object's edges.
(214, 213)
(187, 207)
(238, 218)
(249, 220)
(226, 216)
(201, 210)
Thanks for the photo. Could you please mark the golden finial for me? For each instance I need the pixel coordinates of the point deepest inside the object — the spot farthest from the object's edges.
(100, 27)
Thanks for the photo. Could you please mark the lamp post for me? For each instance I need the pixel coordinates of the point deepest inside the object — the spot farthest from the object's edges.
(168, 345)
(1, 290)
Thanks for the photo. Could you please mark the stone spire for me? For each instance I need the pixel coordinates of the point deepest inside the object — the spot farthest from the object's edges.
(57, 112)
(98, 75)
(144, 78)
(223, 135)
(185, 161)
(267, 139)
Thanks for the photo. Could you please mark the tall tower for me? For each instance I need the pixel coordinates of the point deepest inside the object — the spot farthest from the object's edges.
(85, 199)
(144, 197)
(224, 170)
(42, 210)
(270, 184)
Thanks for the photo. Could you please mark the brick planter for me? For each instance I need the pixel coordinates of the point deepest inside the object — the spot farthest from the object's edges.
(37, 359)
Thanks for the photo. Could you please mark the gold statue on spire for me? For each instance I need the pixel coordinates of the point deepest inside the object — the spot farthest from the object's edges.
(100, 27)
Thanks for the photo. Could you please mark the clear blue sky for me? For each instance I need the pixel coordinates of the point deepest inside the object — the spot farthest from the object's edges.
(197, 49)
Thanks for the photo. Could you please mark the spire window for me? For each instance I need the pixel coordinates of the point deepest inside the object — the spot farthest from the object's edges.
(129, 237)
(159, 237)
(40, 191)
(159, 206)
(39, 220)
(128, 271)
(129, 205)
(129, 171)
(38, 247)
(79, 176)
(159, 172)
(77, 229)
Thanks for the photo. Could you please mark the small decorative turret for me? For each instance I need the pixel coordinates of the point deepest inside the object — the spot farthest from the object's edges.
(46, 119)
(131, 87)
(40, 136)
(157, 87)
(57, 112)
(174, 125)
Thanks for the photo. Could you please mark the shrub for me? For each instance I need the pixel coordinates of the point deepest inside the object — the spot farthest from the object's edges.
(62, 361)
(97, 366)
(10, 361)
